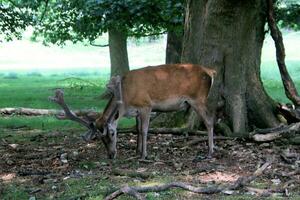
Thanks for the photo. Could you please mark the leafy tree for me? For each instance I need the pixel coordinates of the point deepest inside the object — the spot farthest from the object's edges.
(87, 20)
(58, 21)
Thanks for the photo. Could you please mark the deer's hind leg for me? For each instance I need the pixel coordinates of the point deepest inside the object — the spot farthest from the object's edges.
(208, 119)
(139, 148)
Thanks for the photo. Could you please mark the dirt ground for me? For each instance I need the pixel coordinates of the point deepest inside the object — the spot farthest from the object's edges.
(60, 165)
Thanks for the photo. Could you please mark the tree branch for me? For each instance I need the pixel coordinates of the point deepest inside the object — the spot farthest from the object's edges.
(45, 10)
(98, 45)
(136, 190)
(289, 86)
(148, 35)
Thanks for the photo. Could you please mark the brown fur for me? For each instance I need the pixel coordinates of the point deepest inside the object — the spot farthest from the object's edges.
(143, 86)
(163, 88)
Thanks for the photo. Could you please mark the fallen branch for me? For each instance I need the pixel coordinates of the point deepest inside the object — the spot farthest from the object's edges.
(275, 133)
(136, 190)
(37, 112)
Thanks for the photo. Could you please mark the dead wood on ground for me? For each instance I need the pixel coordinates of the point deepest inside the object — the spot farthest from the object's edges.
(135, 191)
(37, 112)
(267, 135)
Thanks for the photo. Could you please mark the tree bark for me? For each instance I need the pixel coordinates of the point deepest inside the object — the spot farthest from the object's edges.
(118, 52)
(228, 36)
(174, 47)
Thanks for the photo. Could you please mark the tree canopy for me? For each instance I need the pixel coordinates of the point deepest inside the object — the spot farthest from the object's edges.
(61, 20)
(78, 20)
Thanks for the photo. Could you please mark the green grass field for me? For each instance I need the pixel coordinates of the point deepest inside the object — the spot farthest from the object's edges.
(32, 91)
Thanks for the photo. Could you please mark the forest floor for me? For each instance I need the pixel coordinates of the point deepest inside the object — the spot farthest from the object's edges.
(39, 164)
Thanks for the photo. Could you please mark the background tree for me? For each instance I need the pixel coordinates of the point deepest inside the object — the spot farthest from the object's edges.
(228, 36)
(87, 20)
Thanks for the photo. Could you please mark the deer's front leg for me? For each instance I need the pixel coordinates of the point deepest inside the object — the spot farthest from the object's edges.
(145, 119)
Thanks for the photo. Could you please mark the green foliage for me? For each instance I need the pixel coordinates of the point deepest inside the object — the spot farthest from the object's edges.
(14, 19)
(288, 14)
(79, 20)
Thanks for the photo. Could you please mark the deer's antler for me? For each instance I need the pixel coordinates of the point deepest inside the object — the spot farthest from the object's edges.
(68, 114)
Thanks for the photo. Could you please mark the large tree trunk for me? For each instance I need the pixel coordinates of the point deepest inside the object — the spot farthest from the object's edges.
(118, 52)
(174, 47)
(228, 36)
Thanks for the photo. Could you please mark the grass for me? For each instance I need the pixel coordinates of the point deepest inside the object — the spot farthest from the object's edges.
(272, 81)
(33, 91)
(14, 192)
(82, 91)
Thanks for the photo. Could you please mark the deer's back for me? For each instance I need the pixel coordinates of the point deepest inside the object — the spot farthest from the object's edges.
(165, 82)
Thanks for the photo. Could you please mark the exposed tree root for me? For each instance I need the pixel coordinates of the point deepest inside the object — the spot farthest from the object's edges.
(290, 113)
(136, 190)
(266, 135)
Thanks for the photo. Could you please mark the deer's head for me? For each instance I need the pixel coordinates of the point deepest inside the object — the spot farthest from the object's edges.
(107, 131)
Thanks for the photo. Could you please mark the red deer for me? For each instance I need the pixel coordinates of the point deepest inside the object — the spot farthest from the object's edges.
(155, 88)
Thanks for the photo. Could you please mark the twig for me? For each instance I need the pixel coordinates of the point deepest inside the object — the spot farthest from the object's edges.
(136, 190)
